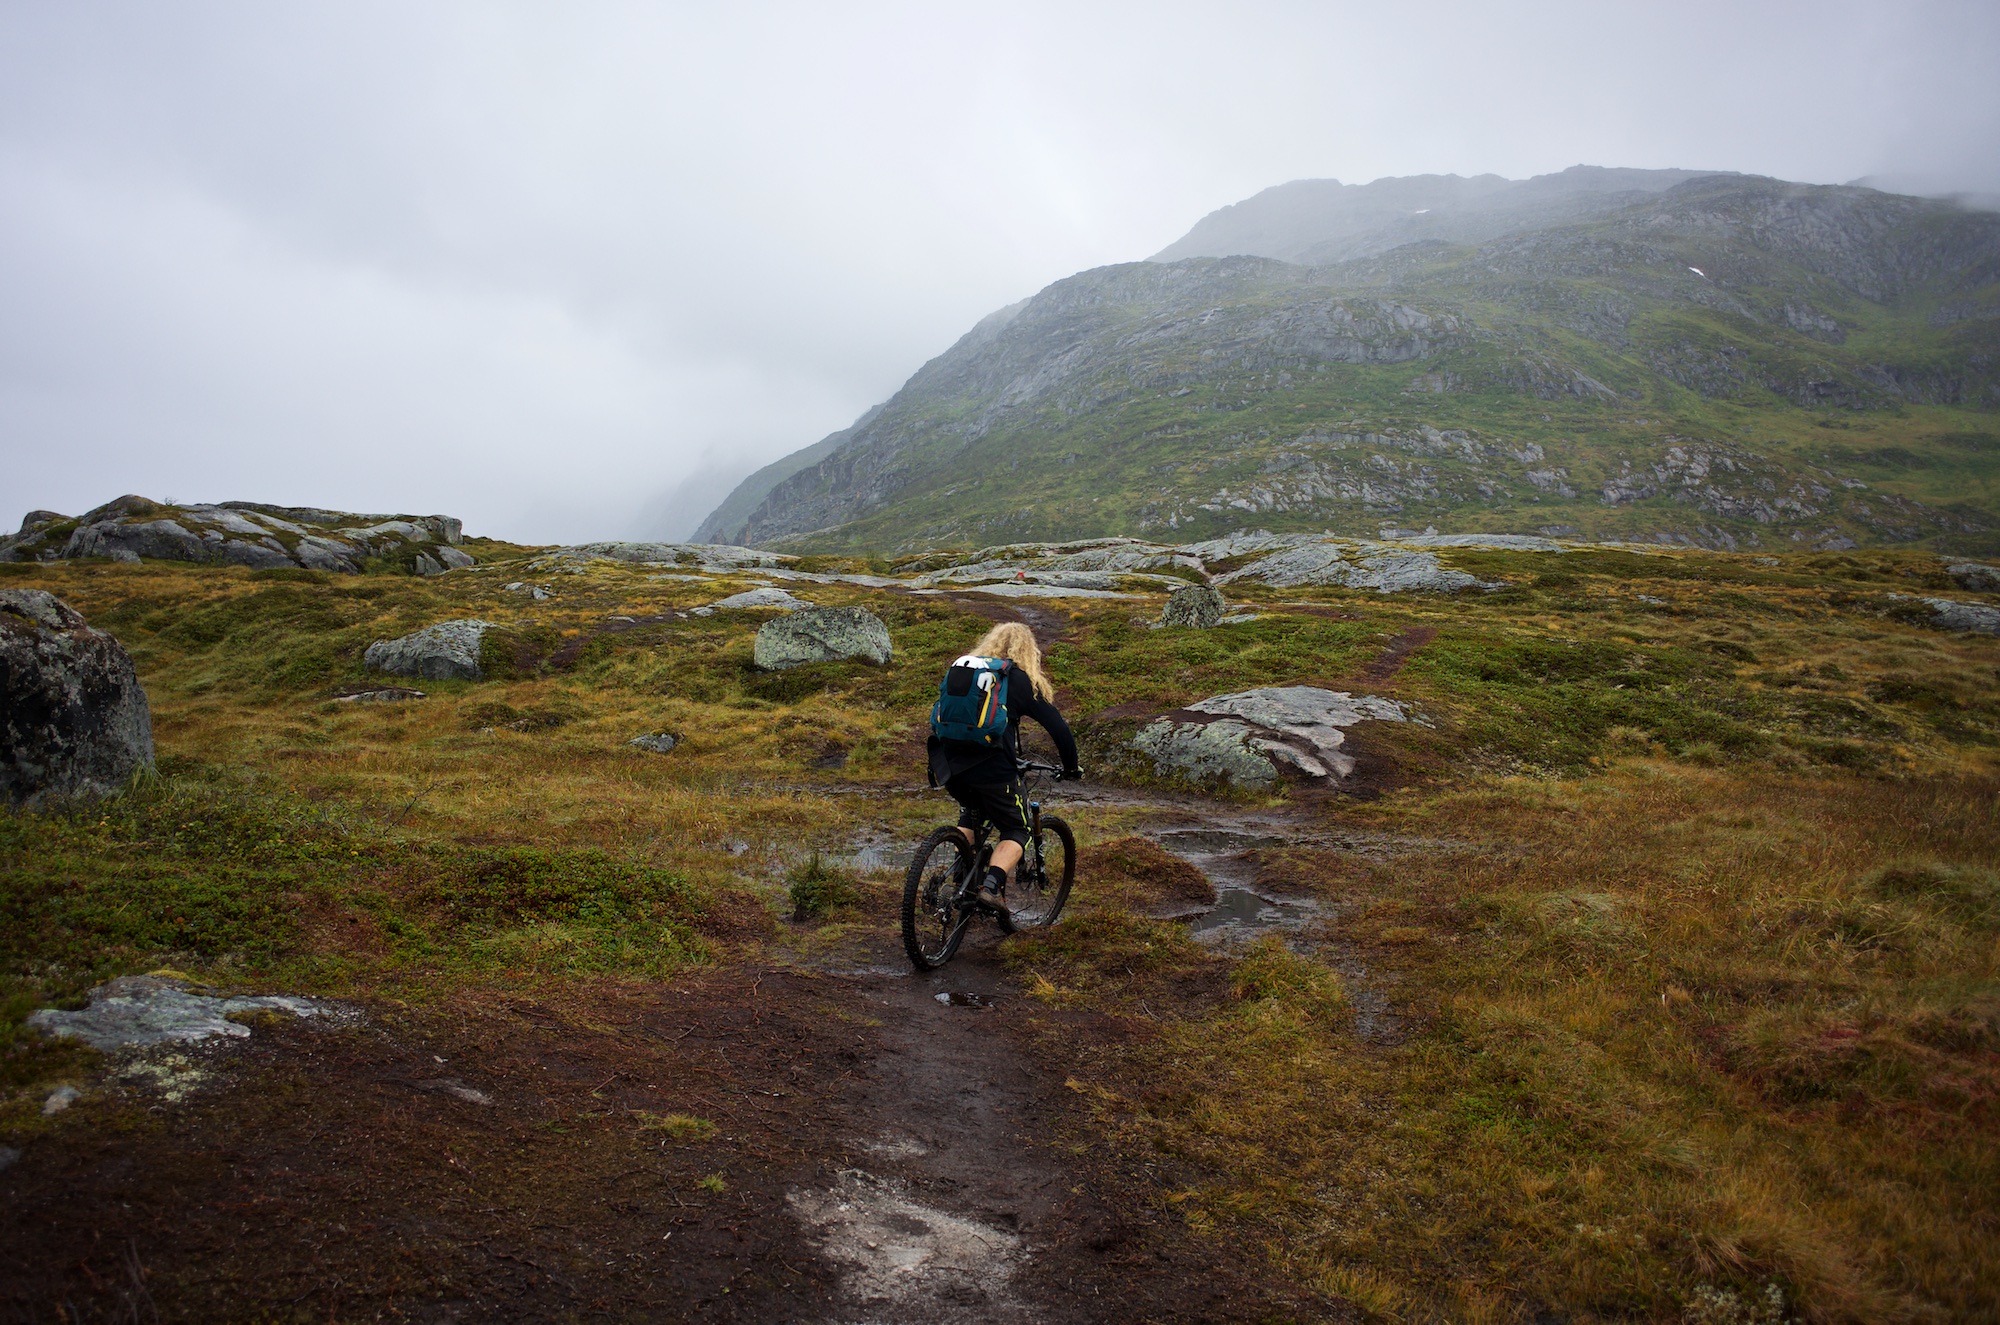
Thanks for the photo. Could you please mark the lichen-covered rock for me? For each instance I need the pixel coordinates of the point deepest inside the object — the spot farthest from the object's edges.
(1245, 739)
(73, 717)
(448, 651)
(658, 743)
(764, 597)
(1974, 576)
(1948, 614)
(822, 634)
(1384, 568)
(133, 528)
(139, 1011)
(1209, 754)
(1196, 605)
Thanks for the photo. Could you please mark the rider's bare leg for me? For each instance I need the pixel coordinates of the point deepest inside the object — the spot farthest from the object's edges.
(1005, 854)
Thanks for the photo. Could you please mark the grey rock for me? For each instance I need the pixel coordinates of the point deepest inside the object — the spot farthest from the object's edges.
(1245, 738)
(658, 743)
(446, 651)
(137, 1011)
(707, 556)
(133, 528)
(1493, 542)
(330, 554)
(73, 717)
(1362, 564)
(59, 1099)
(438, 560)
(766, 597)
(386, 695)
(9, 1157)
(1009, 589)
(1972, 575)
(822, 634)
(1197, 605)
(1207, 753)
(1947, 614)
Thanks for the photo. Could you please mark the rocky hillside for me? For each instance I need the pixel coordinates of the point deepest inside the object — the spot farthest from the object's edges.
(1318, 221)
(242, 533)
(1726, 361)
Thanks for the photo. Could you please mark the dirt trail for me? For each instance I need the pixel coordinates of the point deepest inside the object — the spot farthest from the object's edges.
(868, 1152)
(876, 1155)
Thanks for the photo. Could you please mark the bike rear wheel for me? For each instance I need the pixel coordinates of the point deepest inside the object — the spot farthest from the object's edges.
(932, 926)
(1041, 885)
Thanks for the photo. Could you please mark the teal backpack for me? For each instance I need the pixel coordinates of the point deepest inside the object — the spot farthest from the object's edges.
(972, 701)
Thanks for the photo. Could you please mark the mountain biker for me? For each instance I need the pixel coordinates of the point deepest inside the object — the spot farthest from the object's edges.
(986, 780)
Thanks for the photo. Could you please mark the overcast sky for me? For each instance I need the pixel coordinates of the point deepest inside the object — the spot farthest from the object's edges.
(535, 265)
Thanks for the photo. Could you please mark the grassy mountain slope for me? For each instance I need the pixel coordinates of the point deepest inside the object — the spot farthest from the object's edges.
(1731, 362)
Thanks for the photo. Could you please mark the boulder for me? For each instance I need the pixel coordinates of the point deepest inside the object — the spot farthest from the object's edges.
(822, 634)
(133, 528)
(1947, 614)
(1246, 739)
(658, 743)
(765, 597)
(448, 651)
(73, 717)
(1359, 565)
(1972, 575)
(1196, 605)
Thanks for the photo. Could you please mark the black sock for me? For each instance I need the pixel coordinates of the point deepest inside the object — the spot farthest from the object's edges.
(995, 880)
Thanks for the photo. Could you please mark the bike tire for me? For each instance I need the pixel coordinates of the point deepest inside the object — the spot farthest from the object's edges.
(1040, 905)
(932, 926)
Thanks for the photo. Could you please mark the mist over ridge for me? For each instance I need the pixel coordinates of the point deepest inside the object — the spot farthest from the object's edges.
(1594, 323)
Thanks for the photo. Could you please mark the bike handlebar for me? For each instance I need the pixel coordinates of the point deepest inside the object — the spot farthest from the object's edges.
(1037, 766)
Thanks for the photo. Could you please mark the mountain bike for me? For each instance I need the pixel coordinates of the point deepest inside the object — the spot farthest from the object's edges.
(939, 890)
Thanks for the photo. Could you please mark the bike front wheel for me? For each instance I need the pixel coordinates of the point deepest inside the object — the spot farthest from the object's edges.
(932, 925)
(1041, 886)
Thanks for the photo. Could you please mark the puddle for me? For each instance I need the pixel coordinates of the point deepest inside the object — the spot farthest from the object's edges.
(1239, 908)
(898, 1255)
(954, 999)
(870, 857)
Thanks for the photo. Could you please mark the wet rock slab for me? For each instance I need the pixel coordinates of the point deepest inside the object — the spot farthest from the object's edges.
(144, 1011)
(1246, 738)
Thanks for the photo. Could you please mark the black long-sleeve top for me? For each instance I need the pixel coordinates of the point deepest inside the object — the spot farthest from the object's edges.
(996, 763)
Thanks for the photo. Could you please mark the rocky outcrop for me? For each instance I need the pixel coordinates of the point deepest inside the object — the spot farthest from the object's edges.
(250, 534)
(1249, 740)
(73, 717)
(1355, 565)
(1197, 605)
(711, 557)
(1975, 576)
(1948, 614)
(822, 634)
(447, 651)
(766, 597)
(141, 1011)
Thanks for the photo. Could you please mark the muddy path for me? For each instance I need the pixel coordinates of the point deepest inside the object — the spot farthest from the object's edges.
(863, 1152)
(847, 1143)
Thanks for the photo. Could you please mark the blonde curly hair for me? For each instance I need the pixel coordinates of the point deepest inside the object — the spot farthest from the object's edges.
(1016, 643)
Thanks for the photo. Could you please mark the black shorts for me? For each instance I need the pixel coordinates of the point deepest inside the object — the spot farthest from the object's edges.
(998, 803)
